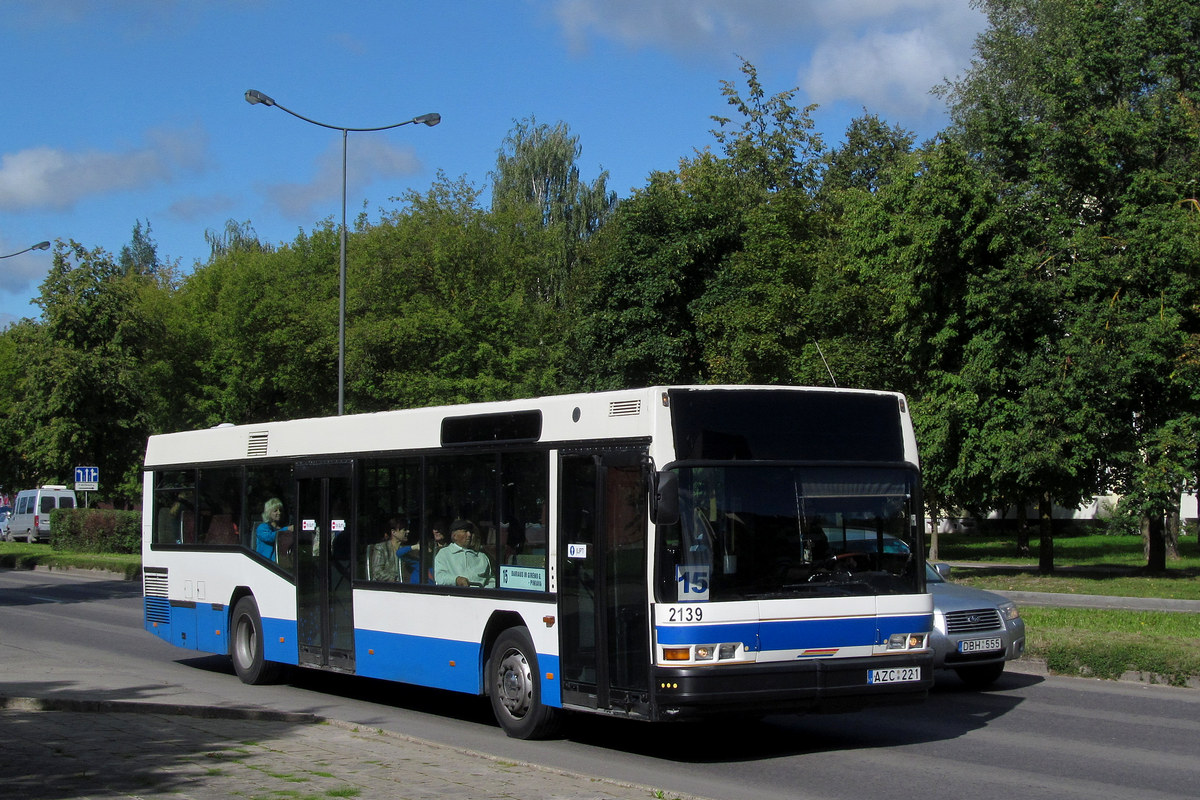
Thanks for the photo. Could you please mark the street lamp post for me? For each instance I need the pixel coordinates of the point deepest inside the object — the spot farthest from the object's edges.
(255, 97)
(38, 246)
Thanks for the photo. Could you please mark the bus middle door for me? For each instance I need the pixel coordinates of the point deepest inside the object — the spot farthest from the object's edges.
(324, 610)
(602, 580)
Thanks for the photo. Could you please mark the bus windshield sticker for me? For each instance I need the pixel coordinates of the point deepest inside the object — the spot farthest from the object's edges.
(692, 583)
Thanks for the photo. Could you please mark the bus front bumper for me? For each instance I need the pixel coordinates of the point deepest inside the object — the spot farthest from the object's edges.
(812, 685)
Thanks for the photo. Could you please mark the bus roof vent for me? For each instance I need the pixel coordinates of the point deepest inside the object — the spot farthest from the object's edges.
(624, 408)
(258, 443)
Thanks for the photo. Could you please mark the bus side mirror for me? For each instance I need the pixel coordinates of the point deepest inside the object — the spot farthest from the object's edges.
(664, 498)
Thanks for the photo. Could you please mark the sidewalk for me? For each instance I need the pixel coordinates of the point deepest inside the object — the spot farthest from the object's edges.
(1068, 600)
(56, 749)
(1100, 601)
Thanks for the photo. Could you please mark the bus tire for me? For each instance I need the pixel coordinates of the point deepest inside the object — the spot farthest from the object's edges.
(246, 645)
(515, 688)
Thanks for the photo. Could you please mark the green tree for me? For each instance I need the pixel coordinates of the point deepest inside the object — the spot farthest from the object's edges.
(262, 327)
(699, 276)
(81, 388)
(647, 271)
(447, 305)
(536, 188)
(1084, 114)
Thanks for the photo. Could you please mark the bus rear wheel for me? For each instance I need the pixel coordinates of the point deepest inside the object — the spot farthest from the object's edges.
(246, 645)
(515, 688)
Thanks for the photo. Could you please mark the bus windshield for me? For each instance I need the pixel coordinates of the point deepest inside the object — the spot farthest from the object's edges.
(748, 532)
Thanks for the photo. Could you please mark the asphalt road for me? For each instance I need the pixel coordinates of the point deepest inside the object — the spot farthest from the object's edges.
(71, 637)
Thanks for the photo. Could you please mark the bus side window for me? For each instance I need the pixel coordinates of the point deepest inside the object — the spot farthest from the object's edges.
(463, 488)
(525, 482)
(220, 505)
(263, 484)
(175, 507)
(389, 492)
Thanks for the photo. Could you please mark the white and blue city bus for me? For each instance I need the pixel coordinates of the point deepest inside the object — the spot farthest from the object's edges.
(653, 554)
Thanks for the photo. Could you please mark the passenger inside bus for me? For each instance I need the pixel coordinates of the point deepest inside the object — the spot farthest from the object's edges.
(437, 533)
(266, 532)
(461, 563)
(394, 559)
(177, 523)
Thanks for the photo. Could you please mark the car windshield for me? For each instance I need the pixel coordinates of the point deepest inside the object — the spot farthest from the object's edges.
(760, 531)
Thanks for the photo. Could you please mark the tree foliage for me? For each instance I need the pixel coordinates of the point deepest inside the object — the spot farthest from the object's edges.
(79, 384)
(1083, 116)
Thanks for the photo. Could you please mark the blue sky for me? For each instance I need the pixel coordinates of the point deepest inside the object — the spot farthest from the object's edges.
(117, 111)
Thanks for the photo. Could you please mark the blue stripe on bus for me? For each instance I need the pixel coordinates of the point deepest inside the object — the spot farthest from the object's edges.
(280, 641)
(801, 634)
(438, 663)
(746, 632)
(420, 660)
(912, 623)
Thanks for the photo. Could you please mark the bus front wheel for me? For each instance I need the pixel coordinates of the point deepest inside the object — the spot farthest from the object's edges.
(246, 645)
(515, 688)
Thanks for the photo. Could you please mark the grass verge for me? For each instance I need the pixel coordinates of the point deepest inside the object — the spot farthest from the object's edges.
(18, 555)
(1105, 643)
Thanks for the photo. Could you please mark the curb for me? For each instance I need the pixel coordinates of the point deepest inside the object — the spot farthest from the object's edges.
(1037, 666)
(172, 709)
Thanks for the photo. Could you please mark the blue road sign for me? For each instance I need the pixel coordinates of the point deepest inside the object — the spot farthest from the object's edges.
(87, 479)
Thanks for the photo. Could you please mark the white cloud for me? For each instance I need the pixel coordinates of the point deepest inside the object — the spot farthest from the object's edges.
(52, 178)
(887, 72)
(884, 54)
(680, 25)
(368, 159)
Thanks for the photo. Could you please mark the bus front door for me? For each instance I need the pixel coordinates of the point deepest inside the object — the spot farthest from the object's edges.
(324, 610)
(605, 637)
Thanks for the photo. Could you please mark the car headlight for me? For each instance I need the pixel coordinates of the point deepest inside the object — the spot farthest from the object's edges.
(1009, 611)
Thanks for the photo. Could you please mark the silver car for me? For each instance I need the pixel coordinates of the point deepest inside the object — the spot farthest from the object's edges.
(974, 632)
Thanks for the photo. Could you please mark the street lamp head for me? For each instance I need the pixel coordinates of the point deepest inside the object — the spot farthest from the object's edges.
(38, 246)
(254, 97)
(428, 119)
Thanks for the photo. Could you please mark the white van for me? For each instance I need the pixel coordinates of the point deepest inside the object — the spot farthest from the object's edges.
(30, 518)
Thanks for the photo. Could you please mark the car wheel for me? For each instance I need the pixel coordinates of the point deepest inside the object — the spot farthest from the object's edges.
(246, 645)
(515, 688)
(981, 676)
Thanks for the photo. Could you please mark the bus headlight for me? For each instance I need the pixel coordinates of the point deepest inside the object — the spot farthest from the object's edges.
(907, 641)
(725, 651)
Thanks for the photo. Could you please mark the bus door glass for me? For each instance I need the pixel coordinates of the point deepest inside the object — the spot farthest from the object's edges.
(602, 579)
(324, 611)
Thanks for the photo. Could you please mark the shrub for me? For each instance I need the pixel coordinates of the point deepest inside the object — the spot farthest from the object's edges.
(96, 530)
